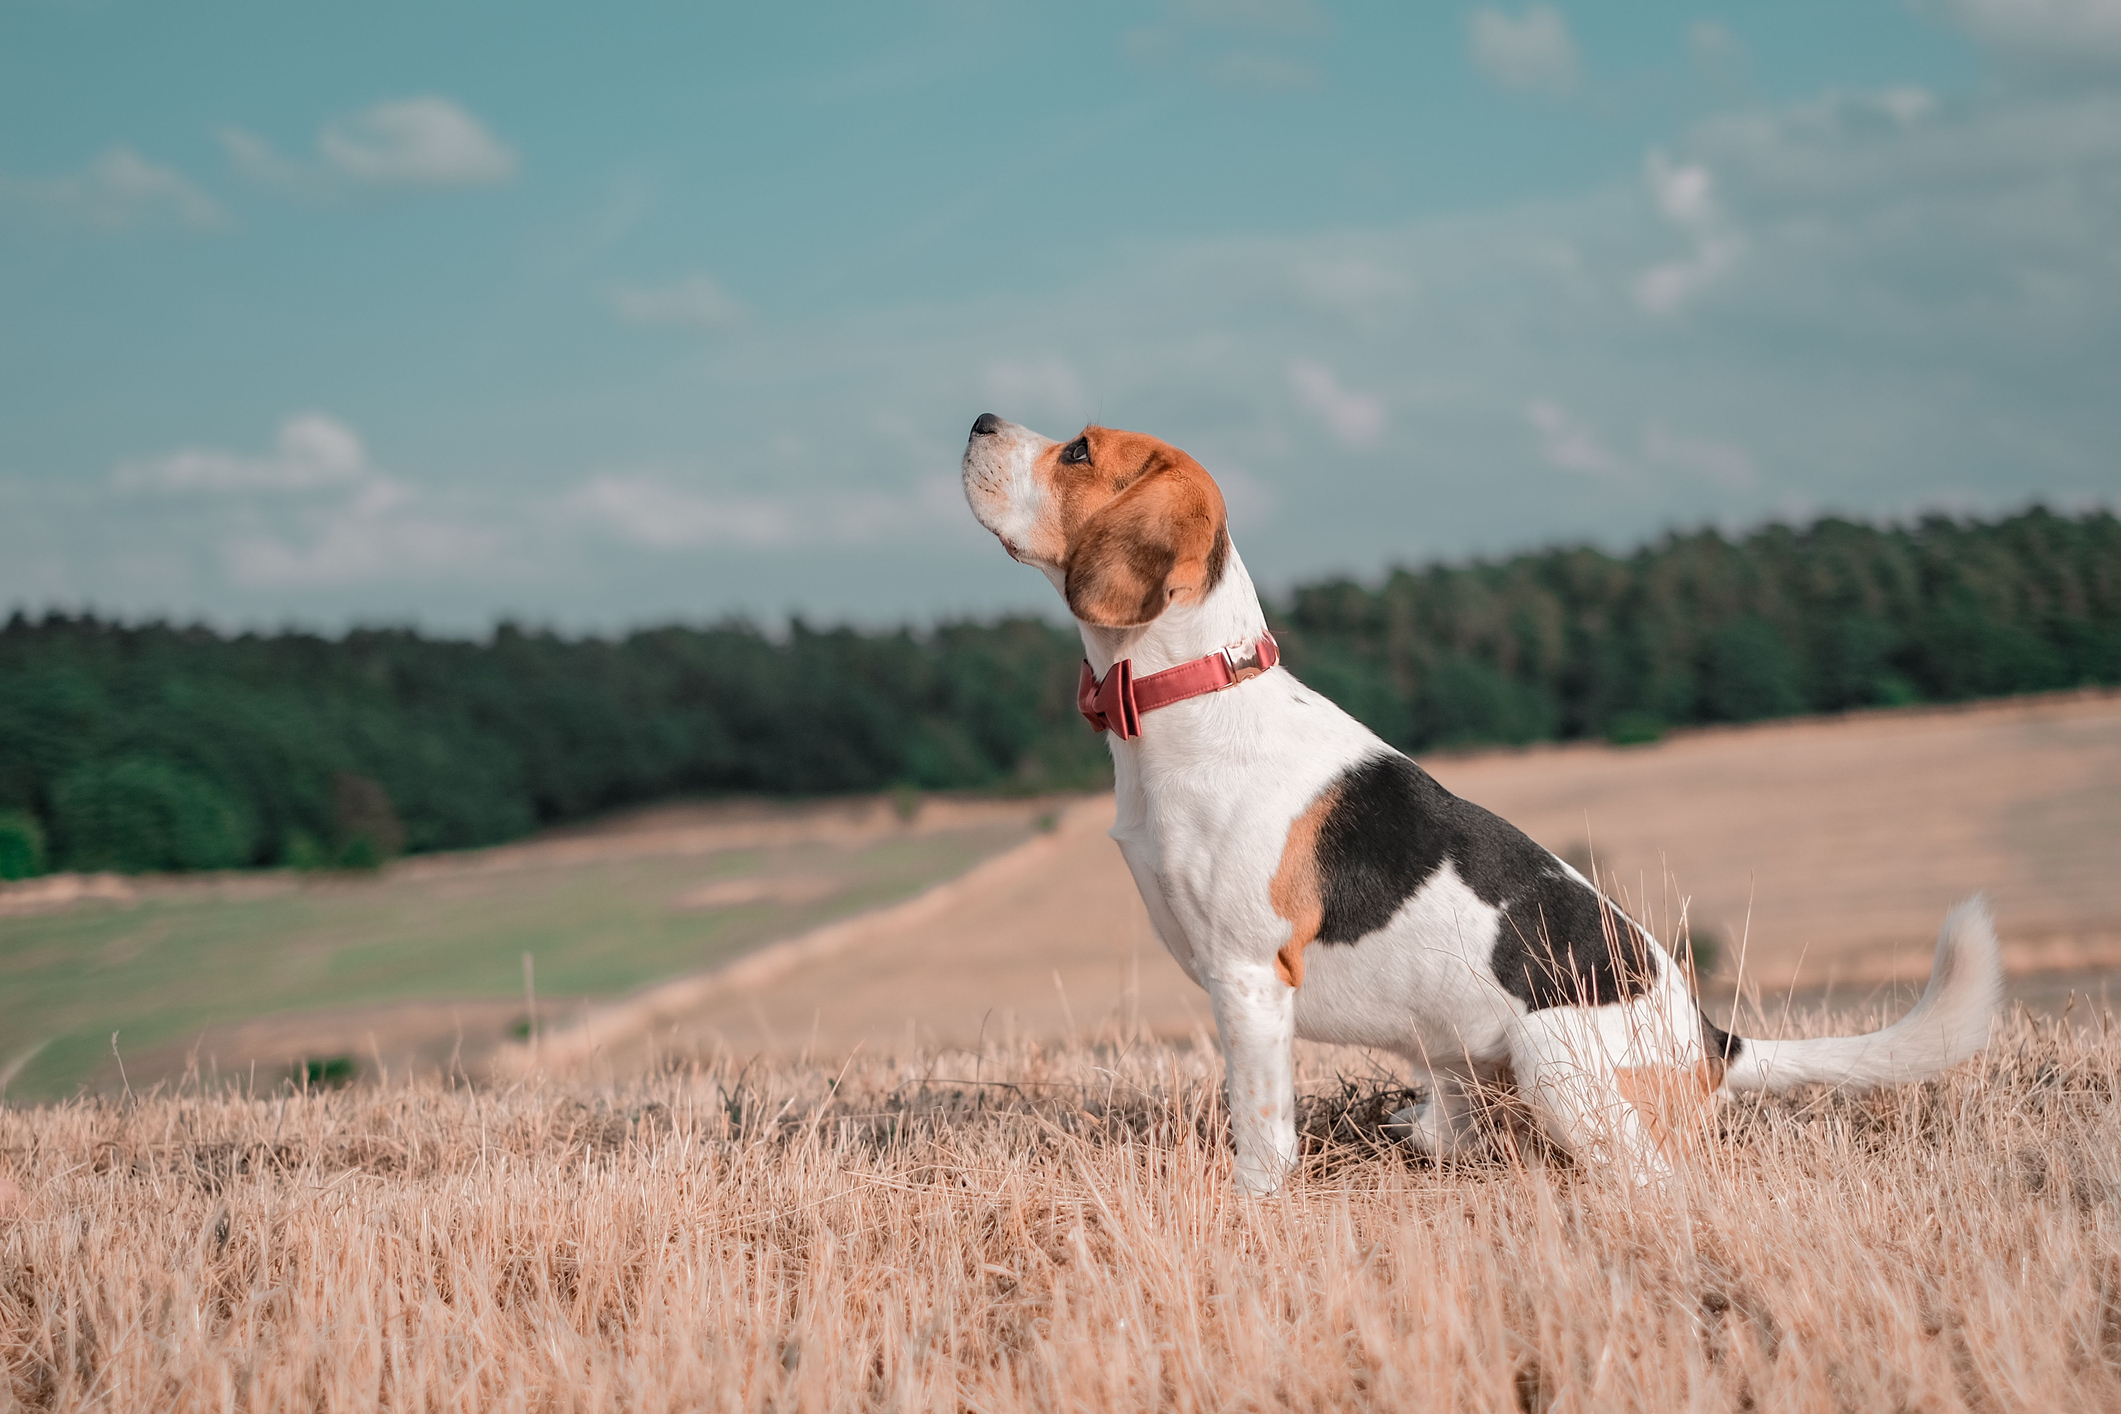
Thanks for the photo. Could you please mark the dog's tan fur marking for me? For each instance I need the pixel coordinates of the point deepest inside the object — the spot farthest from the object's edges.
(1676, 1104)
(1142, 523)
(1294, 890)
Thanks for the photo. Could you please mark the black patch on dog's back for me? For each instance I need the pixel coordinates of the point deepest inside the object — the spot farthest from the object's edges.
(1392, 827)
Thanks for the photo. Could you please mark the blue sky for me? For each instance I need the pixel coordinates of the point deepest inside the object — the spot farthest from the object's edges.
(607, 315)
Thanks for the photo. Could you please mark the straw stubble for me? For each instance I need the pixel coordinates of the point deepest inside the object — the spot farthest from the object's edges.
(717, 1235)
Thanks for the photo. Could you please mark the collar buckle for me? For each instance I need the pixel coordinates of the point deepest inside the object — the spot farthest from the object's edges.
(1244, 660)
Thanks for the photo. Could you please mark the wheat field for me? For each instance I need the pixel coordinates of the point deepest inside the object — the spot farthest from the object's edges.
(1052, 1229)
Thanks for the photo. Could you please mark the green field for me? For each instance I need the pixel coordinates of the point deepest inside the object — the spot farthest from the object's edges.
(159, 970)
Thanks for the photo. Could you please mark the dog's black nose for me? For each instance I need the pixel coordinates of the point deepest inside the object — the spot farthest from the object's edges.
(986, 425)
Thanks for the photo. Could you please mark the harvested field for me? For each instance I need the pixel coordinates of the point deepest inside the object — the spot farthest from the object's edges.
(1827, 849)
(1036, 1228)
(420, 966)
(1820, 854)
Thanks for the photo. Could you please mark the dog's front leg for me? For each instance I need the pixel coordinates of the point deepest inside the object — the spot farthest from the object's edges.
(1255, 1013)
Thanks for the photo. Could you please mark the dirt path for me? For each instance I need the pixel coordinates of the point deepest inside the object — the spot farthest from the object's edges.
(1828, 848)
(1047, 939)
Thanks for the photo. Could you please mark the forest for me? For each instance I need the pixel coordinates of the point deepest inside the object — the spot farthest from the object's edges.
(156, 746)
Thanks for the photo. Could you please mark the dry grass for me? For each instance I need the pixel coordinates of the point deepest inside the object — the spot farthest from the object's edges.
(1061, 1237)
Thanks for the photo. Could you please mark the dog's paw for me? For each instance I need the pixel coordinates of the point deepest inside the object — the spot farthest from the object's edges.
(1417, 1127)
(1259, 1180)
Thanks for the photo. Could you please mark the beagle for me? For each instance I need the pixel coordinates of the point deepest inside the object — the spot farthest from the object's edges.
(1318, 883)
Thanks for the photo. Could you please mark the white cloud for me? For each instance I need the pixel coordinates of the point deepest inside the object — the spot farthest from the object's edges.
(1901, 224)
(314, 516)
(1284, 17)
(118, 189)
(1252, 46)
(1857, 147)
(312, 452)
(404, 142)
(385, 533)
(1721, 464)
(1358, 287)
(695, 302)
(1570, 443)
(312, 513)
(1567, 444)
(1354, 419)
(2052, 33)
(428, 142)
(1714, 49)
(1531, 53)
(1684, 197)
(650, 510)
(1682, 191)
(1249, 500)
(1665, 287)
(258, 160)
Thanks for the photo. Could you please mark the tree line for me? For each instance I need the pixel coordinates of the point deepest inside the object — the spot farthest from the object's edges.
(158, 746)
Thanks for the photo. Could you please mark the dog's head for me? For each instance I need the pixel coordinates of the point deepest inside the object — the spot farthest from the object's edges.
(1125, 524)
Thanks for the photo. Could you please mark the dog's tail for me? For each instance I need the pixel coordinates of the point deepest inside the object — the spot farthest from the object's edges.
(1949, 1023)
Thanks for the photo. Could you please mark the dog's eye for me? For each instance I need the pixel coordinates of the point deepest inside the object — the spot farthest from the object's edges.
(1076, 452)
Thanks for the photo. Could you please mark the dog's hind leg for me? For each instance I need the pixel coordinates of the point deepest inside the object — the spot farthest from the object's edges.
(1445, 1121)
(1573, 1070)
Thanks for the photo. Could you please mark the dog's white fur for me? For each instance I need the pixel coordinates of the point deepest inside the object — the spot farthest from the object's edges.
(1206, 800)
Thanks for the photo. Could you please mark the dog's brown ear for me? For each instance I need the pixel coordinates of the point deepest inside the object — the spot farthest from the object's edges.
(1162, 540)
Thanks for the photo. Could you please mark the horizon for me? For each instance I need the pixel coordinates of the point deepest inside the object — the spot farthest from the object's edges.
(652, 316)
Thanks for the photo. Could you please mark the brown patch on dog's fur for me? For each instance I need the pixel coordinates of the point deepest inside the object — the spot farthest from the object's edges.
(1294, 890)
(1676, 1104)
(1143, 524)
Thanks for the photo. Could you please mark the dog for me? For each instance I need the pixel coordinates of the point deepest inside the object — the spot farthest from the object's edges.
(1318, 883)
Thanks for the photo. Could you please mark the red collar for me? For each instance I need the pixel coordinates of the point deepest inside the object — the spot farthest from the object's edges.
(1116, 704)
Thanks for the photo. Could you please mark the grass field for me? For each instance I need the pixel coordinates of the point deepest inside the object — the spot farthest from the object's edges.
(162, 969)
(1028, 1229)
